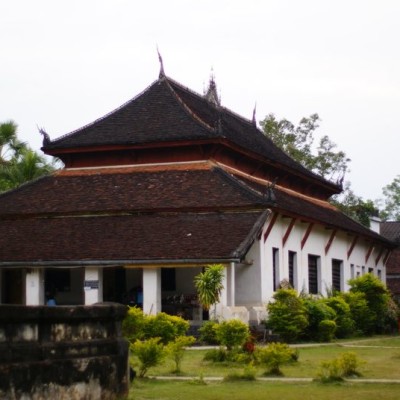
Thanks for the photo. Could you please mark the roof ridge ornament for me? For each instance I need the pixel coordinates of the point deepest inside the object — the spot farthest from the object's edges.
(211, 94)
(161, 73)
(254, 119)
(46, 137)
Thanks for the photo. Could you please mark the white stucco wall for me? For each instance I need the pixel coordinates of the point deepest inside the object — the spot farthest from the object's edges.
(254, 283)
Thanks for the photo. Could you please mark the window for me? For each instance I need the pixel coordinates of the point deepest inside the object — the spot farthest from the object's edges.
(292, 261)
(351, 271)
(275, 267)
(57, 280)
(313, 274)
(337, 274)
(371, 271)
(379, 274)
(363, 270)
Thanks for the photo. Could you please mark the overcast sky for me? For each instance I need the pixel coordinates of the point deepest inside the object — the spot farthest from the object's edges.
(64, 64)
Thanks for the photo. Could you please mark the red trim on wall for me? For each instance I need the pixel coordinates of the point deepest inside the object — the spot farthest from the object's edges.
(330, 241)
(270, 226)
(288, 230)
(306, 234)
(371, 247)
(353, 243)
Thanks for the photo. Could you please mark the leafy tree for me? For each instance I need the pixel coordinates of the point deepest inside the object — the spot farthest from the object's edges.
(176, 350)
(391, 202)
(149, 352)
(9, 143)
(298, 141)
(209, 285)
(232, 334)
(274, 356)
(354, 206)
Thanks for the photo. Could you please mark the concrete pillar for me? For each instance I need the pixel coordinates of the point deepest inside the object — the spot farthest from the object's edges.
(34, 287)
(230, 285)
(151, 291)
(93, 285)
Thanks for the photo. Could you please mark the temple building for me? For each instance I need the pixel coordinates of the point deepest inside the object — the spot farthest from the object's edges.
(163, 186)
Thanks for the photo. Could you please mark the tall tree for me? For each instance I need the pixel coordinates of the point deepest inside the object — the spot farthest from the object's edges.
(391, 202)
(10, 146)
(298, 142)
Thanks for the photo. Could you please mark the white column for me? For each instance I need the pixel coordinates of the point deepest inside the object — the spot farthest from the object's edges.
(151, 291)
(34, 287)
(93, 285)
(217, 311)
(230, 285)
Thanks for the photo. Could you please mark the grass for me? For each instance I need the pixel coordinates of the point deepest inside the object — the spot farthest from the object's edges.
(382, 356)
(170, 390)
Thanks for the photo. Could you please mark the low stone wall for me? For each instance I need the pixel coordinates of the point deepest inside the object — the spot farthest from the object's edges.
(63, 352)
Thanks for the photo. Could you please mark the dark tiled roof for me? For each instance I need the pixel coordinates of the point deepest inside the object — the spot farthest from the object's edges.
(129, 238)
(168, 112)
(391, 230)
(317, 211)
(129, 190)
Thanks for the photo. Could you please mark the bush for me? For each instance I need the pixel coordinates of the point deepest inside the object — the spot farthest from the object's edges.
(287, 315)
(176, 350)
(273, 356)
(132, 325)
(149, 352)
(377, 296)
(326, 330)
(208, 333)
(345, 365)
(166, 327)
(232, 333)
(216, 355)
(248, 374)
(344, 321)
(317, 311)
(360, 313)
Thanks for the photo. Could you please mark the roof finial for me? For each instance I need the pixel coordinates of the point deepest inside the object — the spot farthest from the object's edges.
(211, 93)
(162, 73)
(254, 120)
(46, 137)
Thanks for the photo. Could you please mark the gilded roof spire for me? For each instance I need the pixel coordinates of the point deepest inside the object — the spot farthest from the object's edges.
(211, 93)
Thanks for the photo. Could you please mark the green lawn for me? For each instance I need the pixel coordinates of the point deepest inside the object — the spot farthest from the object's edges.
(381, 356)
(161, 390)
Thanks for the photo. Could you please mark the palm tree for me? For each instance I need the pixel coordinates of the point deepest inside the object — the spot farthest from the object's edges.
(209, 285)
(29, 165)
(10, 146)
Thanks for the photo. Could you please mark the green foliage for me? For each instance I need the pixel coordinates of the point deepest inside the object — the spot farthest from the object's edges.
(216, 355)
(132, 325)
(176, 350)
(18, 163)
(297, 141)
(377, 297)
(360, 313)
(248, 374)
(345, 365)
(232, 333)
(166, 327)
(326, 330)
(317, 310)
(345, 325)
(354, 206)
(274, 356)
(136, 326)
(209, 285)
(391, 202)
(287, 315)
(149, 352)
(208, 333)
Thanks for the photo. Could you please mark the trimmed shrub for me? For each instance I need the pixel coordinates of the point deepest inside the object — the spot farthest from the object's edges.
(149, 352)
(208, 333)
(132, 325)
(317, 311)
(287, 315)
(344, 365)
(344, 321)
(248, 374)
(326, 330)
(273, 357)
(232, 334)
(166, 327)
